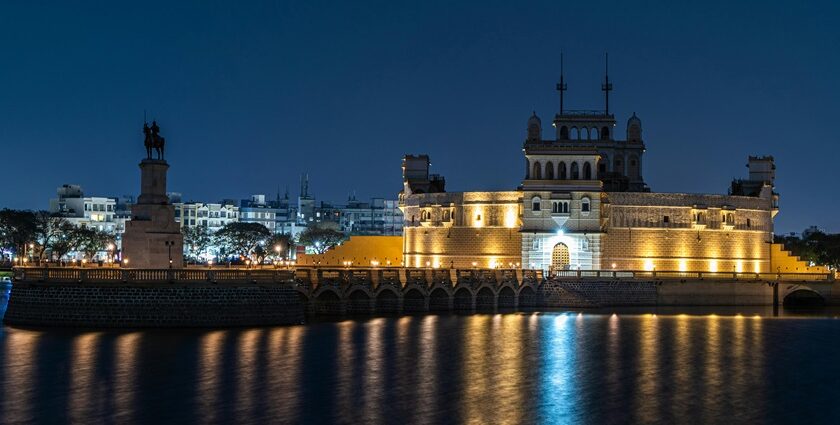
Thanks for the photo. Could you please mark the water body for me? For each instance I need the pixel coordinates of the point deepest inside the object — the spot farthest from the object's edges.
(545, 368)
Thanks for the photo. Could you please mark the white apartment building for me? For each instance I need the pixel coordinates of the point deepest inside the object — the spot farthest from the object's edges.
(89, 211)
(213, 216)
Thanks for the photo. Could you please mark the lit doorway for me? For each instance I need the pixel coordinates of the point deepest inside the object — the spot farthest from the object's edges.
(560, 257)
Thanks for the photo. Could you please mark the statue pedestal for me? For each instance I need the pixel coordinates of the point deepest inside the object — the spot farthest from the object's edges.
(152, 237)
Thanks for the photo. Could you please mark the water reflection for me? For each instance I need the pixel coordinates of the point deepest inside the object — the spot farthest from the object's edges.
(512, 368)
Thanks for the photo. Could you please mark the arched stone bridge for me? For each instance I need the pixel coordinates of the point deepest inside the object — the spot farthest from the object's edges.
(398, 291)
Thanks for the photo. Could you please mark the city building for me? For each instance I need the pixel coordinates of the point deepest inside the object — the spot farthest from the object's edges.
(583, 204)
(256, 210)
(377, 217)
(214, 216)
(90, 211)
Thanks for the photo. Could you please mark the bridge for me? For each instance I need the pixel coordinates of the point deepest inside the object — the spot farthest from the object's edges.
(397, 290)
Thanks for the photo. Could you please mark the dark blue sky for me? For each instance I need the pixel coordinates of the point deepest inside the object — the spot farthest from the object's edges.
(249, 95)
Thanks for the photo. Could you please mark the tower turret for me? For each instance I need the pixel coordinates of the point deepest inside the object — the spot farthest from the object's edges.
(634, 129)
(534, 128)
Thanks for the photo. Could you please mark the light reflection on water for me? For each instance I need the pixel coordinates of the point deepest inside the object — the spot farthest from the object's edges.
(504, 368)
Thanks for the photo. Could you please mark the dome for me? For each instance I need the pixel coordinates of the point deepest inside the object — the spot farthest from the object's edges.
(634, 120)
(534, 119)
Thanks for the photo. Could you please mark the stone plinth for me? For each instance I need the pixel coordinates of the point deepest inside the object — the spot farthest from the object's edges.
(153, 182)
(152, 238)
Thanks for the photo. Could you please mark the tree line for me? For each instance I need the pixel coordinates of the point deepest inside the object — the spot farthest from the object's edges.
(47, 236)
(254, 241)
(818, 248)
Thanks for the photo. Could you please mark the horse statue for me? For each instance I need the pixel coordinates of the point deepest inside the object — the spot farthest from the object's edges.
(153, 140)
(158, 140)
(148, 142)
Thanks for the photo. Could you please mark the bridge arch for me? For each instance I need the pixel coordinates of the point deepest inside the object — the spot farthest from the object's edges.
(328, 302)
(527, 297)
(414, 301)
(485, 299)
(506, 300)
(359, 301)
(440, 300)
(803, 297)
(387, 301)
(462, 300)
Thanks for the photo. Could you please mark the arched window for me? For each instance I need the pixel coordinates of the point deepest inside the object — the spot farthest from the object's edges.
(564, 133)
(584, 206)
(561, 171)
(527, 169)
(537, 174)
(536, 203)
(549, 171)
(566, 207)
(575, 135)
(574, 172)
(603, 165)
(445, 215)
(413, 219)
(605, 133)
(633, 167)
(618, 165)
(587, 171)
(593, 133)
(584, 133)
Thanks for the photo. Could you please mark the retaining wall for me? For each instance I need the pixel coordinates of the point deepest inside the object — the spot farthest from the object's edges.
(161, 305)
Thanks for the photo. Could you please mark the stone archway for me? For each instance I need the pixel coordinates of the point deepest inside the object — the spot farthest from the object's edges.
(560, 257)
(387, 302)
(803, 297)
(527, 298)
(485, 300)
(506, 299)
(414, 301)
(359, 302)
(462, 300)
(439, 300)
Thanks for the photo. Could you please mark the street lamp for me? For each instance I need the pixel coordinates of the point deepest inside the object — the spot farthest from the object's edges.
(169, 245)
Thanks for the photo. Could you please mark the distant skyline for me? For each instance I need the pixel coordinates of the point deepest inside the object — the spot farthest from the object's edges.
(251, 95)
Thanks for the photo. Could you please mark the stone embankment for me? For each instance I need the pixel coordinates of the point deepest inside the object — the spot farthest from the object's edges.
(209, 298)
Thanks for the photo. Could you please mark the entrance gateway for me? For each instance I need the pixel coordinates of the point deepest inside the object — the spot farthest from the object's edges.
(560, 257)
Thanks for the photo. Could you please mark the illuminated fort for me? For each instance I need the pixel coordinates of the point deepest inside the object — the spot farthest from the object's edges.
(583, 204)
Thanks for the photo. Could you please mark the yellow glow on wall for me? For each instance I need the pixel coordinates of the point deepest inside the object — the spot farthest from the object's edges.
(713, 266)
(649, 266)
(478, 217)
(510, 216)
(757, 266)
(683, 265)
(739, 266)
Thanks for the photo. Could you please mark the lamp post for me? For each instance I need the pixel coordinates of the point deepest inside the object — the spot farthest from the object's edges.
(169, 245)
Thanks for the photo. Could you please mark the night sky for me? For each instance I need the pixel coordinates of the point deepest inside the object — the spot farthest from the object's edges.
(250, 95)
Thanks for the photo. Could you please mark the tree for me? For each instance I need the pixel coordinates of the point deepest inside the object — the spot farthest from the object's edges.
(196, 240)
(65, 242)
(818, 248)
(50, 228)
(17, 229)
(279, 246)
(320, 239)
(91, 240)
(241, 238)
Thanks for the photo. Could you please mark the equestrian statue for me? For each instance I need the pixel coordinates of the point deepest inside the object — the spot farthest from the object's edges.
(153, 140)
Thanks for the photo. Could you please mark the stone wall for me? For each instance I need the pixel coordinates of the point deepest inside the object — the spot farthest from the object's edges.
(161, 305)
(459, 247)
(685, 250)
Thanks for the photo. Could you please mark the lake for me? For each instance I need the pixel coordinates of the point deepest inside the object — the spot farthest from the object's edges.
(593, 367)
